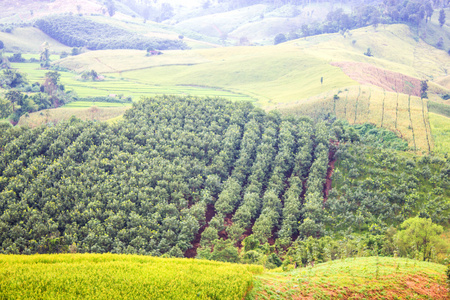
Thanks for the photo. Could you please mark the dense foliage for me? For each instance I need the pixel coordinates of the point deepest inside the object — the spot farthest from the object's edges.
(375, 188)
(22, 97)
(108, 276)
(75, 31)
(179, 172)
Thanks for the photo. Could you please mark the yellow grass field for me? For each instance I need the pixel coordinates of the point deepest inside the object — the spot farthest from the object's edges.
(56, 115)
(404, 115)
(109, 276)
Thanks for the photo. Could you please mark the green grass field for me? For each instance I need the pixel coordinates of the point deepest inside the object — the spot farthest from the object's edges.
(356, 278)
(109, 276)
(117, 84)
(440, 128)
(30, 39)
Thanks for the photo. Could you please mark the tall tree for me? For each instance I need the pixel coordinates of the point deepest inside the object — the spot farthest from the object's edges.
(420, 234)
(442, 17)
(5, 108)
(110, 7)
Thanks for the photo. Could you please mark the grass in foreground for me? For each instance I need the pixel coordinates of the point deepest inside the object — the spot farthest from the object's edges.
(440, 128)
(356, 278)
(110, 276)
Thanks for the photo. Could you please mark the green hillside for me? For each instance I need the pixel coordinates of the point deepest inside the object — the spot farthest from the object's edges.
(306, 74)
(29, 39)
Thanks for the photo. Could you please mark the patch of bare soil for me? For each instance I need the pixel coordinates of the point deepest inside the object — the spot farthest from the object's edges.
(192, 253)
(368, 74)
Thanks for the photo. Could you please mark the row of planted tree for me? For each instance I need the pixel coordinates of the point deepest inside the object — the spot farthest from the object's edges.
(181, 173)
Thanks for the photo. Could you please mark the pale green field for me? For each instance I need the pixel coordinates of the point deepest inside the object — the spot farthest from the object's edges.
(119, 84)
(30, 39)
(440, 126)
(272, 74)
(88, 113)
(79, 104)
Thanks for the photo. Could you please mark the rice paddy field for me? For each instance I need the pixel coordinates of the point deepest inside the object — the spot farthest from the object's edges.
(117, 84)
(109, 276)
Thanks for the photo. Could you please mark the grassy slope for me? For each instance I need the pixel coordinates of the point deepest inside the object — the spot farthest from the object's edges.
(286, 76)
(109, 276)
(356, 278)
(93, 112)
(440, 127)
(107, 61)
(29, 40)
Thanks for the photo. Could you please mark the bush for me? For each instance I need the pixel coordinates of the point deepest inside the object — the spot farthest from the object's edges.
(64, 54)
(368, 52)
(16, 58)
(280, 38)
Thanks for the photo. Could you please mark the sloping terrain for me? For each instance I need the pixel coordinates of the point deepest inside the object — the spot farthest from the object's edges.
(109, 276)
(178, 171)
(28, 10)
(297, 75)
(356, 278)
(30, 39)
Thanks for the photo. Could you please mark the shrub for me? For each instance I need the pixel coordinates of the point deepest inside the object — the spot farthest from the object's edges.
(280, 38)
(368, 52)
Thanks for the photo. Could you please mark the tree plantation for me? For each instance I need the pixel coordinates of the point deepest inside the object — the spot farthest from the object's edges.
(186, 176)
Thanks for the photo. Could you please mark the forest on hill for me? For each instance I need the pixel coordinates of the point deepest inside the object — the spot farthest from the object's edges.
(186, 176)
(76, 31)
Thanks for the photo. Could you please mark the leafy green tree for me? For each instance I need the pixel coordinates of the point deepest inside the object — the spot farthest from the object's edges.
(13, 78)
(250, 243)
(442, 17)
(423, 89)
(5, 108)
(419, 234)
(15, 98)
(279, 38)
(111, 7)
(368, 52)
(225, 251)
